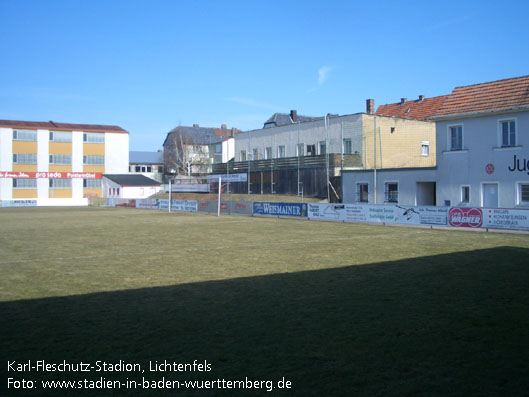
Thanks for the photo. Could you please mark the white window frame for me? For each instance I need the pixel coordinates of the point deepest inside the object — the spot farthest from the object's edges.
(60, 136)
(500, 132)
(281, 151)
(33, 134)
(320, 145)
(244, 155)
(519, 194)
(449, 137)
(359, 193)
(17, 182)
(350, 141)
(269, 153)
(92, 183)
(462, 192)
(89, 137)
(425, 144)
(85, 158)
(300, 149)
(60, 183)
(17, 160)
(255, 154)
(60, 159)
(386, 192)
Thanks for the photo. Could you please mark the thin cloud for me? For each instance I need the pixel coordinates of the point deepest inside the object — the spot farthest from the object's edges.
(323, 74)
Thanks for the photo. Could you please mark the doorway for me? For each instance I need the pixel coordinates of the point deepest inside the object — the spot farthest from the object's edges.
(490, 195)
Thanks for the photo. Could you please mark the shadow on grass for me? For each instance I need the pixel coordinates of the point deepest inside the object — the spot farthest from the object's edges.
(442, 325)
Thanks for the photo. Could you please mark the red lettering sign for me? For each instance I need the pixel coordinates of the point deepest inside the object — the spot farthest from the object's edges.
(50, 175)
(465, 217)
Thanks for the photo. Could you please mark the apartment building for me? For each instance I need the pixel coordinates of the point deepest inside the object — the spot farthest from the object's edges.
(54, 163)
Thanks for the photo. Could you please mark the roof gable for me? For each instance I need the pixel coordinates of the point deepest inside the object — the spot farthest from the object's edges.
(487, 97)
(131, 180)
(51, 125)
(418, 109)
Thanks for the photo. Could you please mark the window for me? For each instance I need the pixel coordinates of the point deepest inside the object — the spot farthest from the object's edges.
(300, 149)
(268, 153)
(425, 148)
(24, 183)
(508, 133)
(465, 194)
(137, 168)
(311, 150)
(218, 148)
(456, 138)
(93, 138)
(160, 169)
(524, 193)
(60, 136)
(281, 151)
(391, 190)
(243, 155)
(92, 183)
(60, 159)
(323, 147)
(60, 183)
(24, 158)
(93, 160)
(362, 193)
(347, 146)
(24, 135)
(256, 154)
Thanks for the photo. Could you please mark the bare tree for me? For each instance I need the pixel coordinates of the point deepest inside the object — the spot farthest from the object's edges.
(184, 155)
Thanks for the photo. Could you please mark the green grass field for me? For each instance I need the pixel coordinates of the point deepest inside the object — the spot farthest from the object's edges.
(337, 309)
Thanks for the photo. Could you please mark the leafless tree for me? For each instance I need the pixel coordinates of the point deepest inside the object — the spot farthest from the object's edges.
(185, 156)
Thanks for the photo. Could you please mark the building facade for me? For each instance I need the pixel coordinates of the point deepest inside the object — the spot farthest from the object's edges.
(149, 164)
(482, 137)
(58, 163)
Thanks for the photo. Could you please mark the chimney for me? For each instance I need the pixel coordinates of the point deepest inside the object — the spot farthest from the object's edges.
(421, 98)
(403, 101)
(195, 125)
(370, 106)
(223, 127)
(294, 115)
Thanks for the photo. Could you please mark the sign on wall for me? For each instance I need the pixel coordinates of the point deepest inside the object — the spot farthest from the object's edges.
(379, 214)
(50, 175)
(280, 209)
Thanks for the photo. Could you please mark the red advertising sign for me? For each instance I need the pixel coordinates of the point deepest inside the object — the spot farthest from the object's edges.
(50, 175)
(465, 217)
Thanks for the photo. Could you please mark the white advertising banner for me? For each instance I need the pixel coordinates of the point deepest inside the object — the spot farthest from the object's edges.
(500, 218)
(379, 213)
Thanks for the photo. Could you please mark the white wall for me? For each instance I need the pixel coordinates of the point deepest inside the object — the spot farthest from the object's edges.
(116, 153)
(228, 149)
(481, 146)
(406, 178)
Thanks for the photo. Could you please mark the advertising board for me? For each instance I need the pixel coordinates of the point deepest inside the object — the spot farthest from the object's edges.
(379, 214)
(150, 204)
(500, 218)
(280, 209)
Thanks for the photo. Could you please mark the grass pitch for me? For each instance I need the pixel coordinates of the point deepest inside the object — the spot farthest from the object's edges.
(336, 309)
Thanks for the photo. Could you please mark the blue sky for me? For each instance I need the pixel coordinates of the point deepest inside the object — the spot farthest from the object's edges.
(149, 66)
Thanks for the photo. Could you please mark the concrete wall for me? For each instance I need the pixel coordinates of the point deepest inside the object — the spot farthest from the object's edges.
(410, 193)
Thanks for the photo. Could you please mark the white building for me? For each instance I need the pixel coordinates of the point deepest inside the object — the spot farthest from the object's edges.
(482, 135)
(56, 163)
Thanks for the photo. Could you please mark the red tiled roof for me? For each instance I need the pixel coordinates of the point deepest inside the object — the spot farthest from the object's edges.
(417, 109)
(50, 125)
(224, 133)
(492, 96)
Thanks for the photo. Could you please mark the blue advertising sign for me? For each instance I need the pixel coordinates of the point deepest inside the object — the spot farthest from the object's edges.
(280, 209)
(228, 177)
